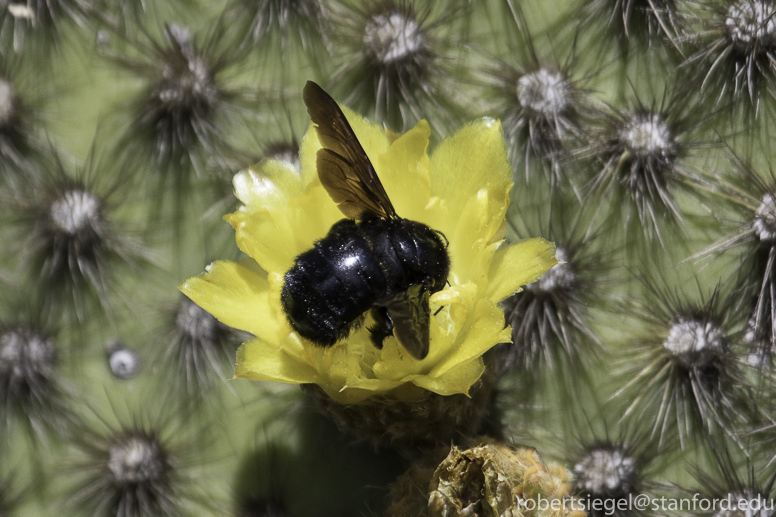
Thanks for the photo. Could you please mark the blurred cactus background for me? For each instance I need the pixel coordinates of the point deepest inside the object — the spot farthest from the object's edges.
(639, 132)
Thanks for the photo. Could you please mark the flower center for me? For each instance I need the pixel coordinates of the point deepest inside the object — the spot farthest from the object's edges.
(25, 354)
(604, 471)
(647, 133)
(561, 276)
(6, 102)
(690, 340)
(393, 37)
(76, 211)
(137, 460)
(750, 22)
(543, 91)
(765, 219)
(195, 322)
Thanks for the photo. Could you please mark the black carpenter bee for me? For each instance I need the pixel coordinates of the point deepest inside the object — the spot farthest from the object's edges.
(374, 260)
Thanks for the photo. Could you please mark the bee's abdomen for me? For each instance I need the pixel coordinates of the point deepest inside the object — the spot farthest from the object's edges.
(411, 253)
(331, 285)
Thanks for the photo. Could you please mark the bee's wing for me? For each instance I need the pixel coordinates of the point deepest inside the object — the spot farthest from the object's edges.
(410, 314)
(343, 167)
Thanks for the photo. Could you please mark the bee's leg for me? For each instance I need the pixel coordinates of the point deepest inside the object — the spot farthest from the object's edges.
(382, 328)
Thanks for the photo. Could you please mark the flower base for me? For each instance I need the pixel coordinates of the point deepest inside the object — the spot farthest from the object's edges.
(410, 426)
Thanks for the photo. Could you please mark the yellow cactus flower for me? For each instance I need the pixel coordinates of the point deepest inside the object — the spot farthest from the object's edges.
(462, 190)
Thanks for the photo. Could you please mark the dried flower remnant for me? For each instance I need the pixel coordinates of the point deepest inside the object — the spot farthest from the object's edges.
(489, 478)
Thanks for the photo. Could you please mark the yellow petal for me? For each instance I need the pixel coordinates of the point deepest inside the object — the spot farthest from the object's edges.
(268, 184)
(483, 330)
(371, 385)
(263, 224)
(308, 151)
(473, 158)
(347, 396)
(456, 380)
(461, 301)
(472, 242)
(519, 264)
(460, 294)
(403, 171)
(265, 238)
(273, 236)
(236, 295)
(263, 361)
(372, 136)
